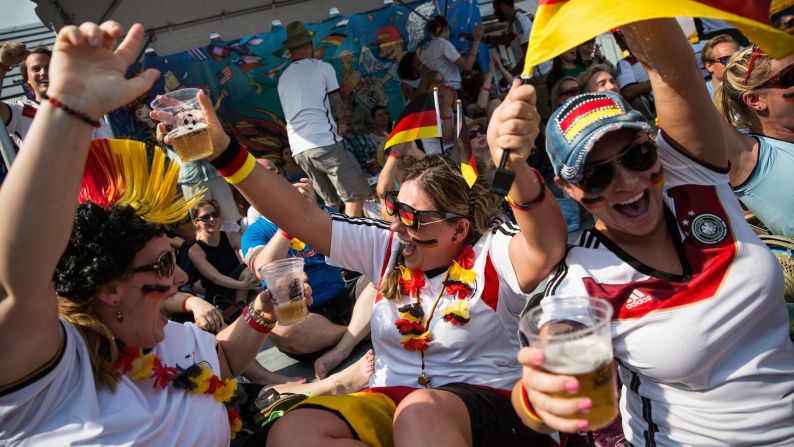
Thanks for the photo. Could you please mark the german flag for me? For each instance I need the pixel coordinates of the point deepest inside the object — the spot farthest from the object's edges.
(553, 34)
(468, 165)
(418, 120)
(334, 39)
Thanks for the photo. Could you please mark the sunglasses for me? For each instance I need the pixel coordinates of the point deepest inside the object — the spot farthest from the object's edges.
(570, 92)
(474, 132)
(722, 59)
(209, 216)
(164, 266)
(784, 79)
(638, 158)
(410, 217)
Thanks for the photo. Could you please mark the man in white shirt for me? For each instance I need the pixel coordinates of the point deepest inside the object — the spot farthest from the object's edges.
(309, 93)
(34, 66)
(516, 33)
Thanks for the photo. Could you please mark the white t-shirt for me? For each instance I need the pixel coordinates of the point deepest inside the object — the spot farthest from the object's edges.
(520, 28)
(482, 352)
(303, 89)
(705, 357)
(441, 56)
(64, 407)
(22, 113)
(631, 71)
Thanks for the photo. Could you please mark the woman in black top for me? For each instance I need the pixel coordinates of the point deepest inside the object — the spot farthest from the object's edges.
(224, 275)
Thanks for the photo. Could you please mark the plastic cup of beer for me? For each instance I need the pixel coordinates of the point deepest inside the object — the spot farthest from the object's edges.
(185, 124)
(284, 279)
(574, 335)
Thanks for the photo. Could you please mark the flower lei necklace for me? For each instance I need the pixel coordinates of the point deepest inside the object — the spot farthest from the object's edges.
(458, 282)
(195, 379)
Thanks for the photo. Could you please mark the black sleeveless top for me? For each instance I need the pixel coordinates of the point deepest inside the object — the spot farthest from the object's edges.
(224, 259)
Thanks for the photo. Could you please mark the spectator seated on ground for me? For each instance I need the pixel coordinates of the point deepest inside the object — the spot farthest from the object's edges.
(225, 278)
(331, 315)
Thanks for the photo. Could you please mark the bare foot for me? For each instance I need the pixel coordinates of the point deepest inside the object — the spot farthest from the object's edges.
(266, 377)
(330, 360)
(354, 377)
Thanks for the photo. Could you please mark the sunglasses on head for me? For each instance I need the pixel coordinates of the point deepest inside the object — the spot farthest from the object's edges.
(784, 79)
(722, 59)
(474, 132)
(638, 158)
(410, 217)
(164, 266)
(209, 216)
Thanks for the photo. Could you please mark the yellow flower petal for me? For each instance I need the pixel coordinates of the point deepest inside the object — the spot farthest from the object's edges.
(202, 381)
(296, 244)
(142, 367)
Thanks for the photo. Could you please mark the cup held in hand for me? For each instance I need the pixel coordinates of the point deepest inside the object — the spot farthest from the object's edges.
(185, 123)
(284, 279)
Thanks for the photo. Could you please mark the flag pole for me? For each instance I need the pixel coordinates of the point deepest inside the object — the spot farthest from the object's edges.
(438, 118)
(458, 117)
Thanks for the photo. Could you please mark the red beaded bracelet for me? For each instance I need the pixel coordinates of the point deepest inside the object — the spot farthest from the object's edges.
(75, 113)
(5, 67)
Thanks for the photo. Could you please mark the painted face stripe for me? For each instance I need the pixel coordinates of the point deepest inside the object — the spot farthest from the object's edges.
(586, 120)
(584, 109)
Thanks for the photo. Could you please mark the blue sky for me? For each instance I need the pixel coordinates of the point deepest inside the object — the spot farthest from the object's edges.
(17, 12)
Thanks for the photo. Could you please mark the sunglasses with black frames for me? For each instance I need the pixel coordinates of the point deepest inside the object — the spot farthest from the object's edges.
(410, 217)
(598, 176)
(209, 216)
(784, 79)
(164, 266)
(474, 132)
(722, 59)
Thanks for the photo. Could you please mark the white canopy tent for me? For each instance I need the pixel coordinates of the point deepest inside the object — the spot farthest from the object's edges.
(178, 25)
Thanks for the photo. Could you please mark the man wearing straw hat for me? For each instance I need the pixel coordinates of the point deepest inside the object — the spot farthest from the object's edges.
(309, 94)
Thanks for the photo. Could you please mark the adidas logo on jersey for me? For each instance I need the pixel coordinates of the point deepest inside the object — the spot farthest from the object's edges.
(637, 298)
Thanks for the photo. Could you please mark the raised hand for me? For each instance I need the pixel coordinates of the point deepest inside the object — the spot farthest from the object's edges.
(88, 74)
(13, 53)
(220, 140)
(514, 124)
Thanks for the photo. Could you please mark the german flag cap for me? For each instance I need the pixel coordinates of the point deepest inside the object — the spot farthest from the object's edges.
(577, 125)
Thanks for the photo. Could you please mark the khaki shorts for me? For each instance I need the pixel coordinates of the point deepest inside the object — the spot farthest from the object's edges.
(335, 172)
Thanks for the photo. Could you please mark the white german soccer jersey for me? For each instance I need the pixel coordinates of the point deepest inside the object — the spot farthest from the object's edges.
(482, 352)
(704, 357)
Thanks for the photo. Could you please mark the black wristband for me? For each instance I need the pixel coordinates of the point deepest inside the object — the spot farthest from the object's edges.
(220, 162)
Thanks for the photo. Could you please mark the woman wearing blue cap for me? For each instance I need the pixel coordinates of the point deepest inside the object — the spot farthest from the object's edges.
(699, 327)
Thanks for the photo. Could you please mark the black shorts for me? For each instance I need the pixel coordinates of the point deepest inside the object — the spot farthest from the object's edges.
(338, 309)
(494, 422)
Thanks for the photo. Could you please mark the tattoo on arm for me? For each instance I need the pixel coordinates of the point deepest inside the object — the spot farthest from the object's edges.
(337, 104)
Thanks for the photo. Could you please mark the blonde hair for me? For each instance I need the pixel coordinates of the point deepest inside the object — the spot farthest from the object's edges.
(99, 340)
(728, 95)
(706, 53)
(444, 184)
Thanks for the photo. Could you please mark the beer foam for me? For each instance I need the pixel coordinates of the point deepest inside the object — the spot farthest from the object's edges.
(577, 356)
(181, 131)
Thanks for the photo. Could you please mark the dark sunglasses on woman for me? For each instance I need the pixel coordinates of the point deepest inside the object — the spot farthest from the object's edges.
(209, 216)
(784, 79)
(474, 132)
(164, 266)
(410, 217)
(638, 158)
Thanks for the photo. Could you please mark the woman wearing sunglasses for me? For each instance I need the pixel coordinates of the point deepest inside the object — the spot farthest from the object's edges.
(700, 329)
(89, 357)
(224, 275)
(451, 285)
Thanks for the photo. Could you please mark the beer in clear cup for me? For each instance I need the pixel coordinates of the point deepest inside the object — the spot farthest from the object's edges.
(185, 124)
(284, 279)
(574, 335)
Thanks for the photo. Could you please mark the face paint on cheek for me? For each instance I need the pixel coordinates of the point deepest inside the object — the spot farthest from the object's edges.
(657, 178)
(594, 202)
(155, 288)
(425, 243)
